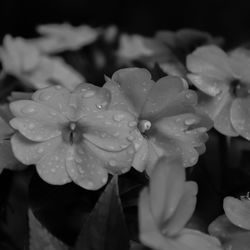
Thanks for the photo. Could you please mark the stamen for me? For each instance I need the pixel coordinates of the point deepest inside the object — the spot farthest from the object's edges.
(144, 125)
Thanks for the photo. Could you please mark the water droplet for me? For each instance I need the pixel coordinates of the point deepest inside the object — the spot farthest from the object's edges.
(124, 170)
(104, 180)
(44, 96)
(118, 117)
(58, 87)
(89, 93)
(202, 130)
(90, 184)
(40, 150)
(130, 138)
(190, 121)
(31, 126)
(112, 163)
(78, 160)
(99, 106)
(103, 135)
(132, 124)
(28, 109)
(81, 171)
(137, 146)
(144, 125)
(53, 170)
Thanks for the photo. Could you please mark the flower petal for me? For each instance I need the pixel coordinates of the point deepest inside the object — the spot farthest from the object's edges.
(194, 239)
(35, 130)
(210, 61)
(118, 99)
(209, 85)
(142, 156)
(166, 189)
(57, 98)
(162, 93)
(36, 111)
(148, 231)
(237, 211)
(114, 162)
(240, 116)
(240, 63)
(184, 102)
(88, 99)
(85, 168)
(222, 228)
(135, 83)
(109, 130)
(219, 110)
(29, 152)
(183, 211)
(52, 167)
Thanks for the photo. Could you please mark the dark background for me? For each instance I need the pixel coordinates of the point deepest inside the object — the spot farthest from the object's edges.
(230, 19)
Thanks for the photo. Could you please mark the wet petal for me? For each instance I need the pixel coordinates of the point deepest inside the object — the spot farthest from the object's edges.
(183, 211)
(219, 110)
(29, 152)
(114, 162)
(184, 102)
(237, 211)
(57, 98)
(199, 241)
(88, 98)
(109, 130)
(52, 167)
(210, 61)
(209, 85)
(162, 93)
(7, 158)
(36, 111)
(141, 157)
(85, 168)
(177, 148)
(149, 233)
(240, 117)
(240, 63)
(35, 130)
(118, 99)
(135, 83)
(222, 116)
(166, 188)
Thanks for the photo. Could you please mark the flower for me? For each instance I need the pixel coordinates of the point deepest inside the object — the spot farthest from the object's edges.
(149, 51)
(60, 37)
(166, 206)
(167, 121)
(72, 136)
(233, 227)
(224, 82)
(23, 60)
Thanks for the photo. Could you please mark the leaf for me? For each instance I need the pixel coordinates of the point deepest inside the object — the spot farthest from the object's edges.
(40, 238)
(61, 209)
(105, 228)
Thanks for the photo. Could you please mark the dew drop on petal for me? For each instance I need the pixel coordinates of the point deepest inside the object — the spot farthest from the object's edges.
(31, 126)
(118, 117)
(40, 150)
(130, 138)
(112, 163)
(190, 121)
(88, 94)
(132, 124)
(29, 109)
(58, 87)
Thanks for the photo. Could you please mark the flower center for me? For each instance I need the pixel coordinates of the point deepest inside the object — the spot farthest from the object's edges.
(239, 88)
(72, 133)
(144, 126)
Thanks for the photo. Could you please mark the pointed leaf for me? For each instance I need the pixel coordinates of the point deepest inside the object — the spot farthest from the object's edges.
(105, 228)
(40, 238)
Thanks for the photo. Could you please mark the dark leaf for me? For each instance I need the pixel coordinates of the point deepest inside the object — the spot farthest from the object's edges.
(61, 209)
(105, 228)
